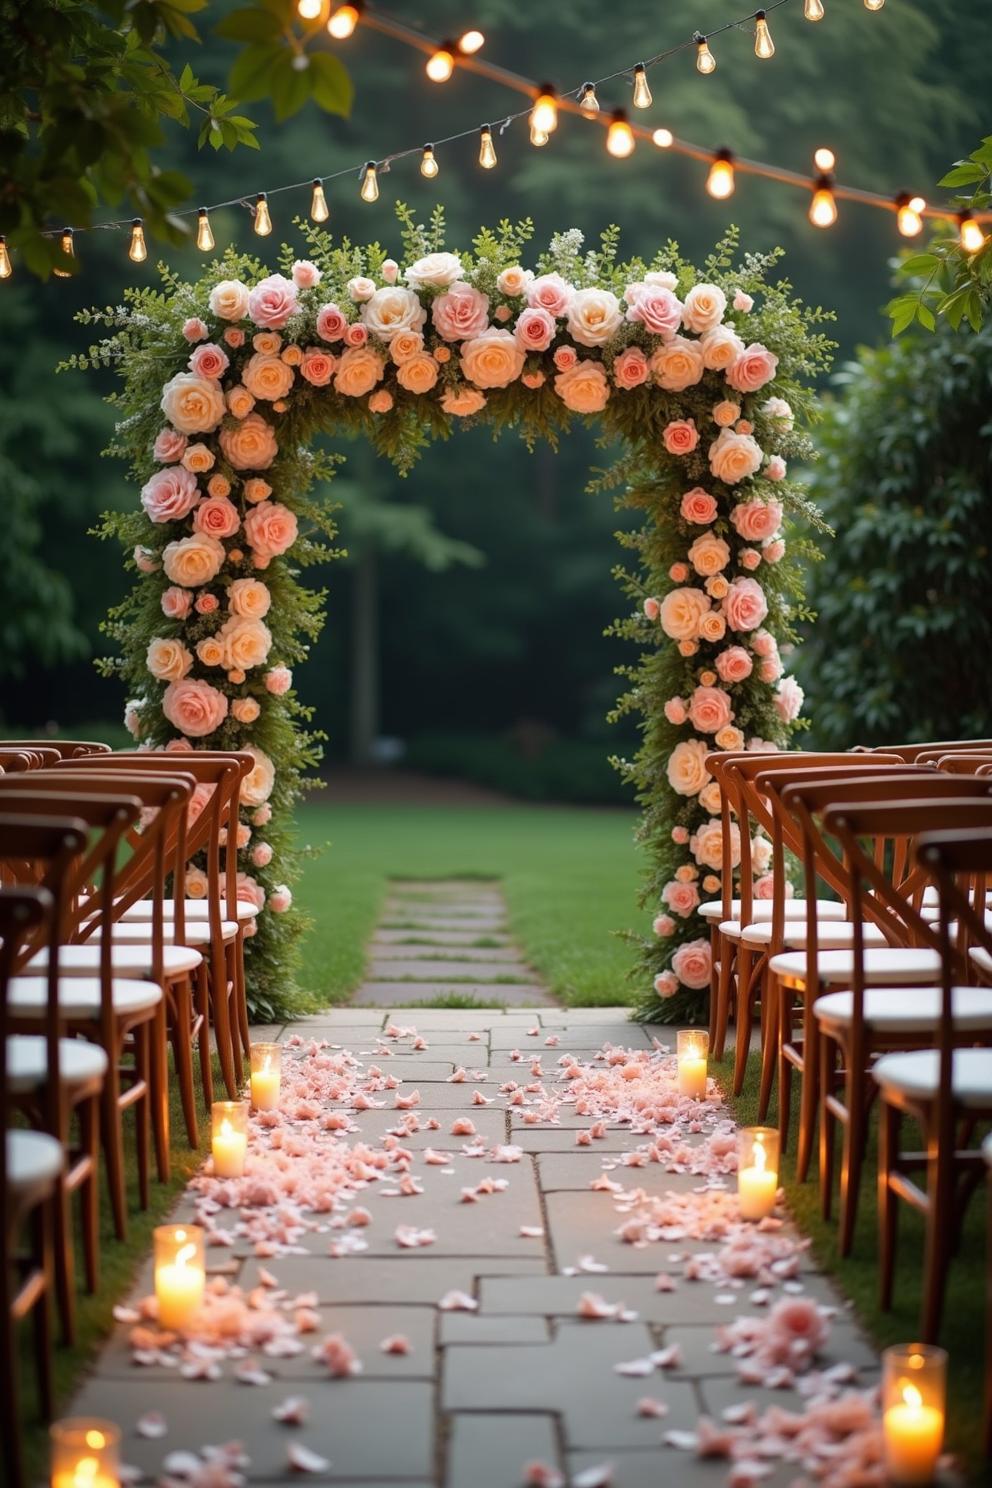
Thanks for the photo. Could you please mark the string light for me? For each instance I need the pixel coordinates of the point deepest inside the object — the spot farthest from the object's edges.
(471, 42)
(6, 267)
(813, 10)
(137, 250)
(370, 182)
(319, 210)
(309, 10)
(642, 93)
(204, 232)
(620, 136)
(970, 232)
(440, 64)
(544, 114)
(720, 181)
(538, 136)
(428, 165)
(874, 4)
(263, 219)
(343, 21)
(68, 248)
(764, 47)
(588, 102)
(663, 138)
(908, 218)
(824, 160)
(823, 207)
(487, 150)
(705, 60)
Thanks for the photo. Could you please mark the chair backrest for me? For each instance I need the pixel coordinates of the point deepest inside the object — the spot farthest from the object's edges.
(968, 762)
(24, 913)
(17, 761)
(63, 748)
(923, 752)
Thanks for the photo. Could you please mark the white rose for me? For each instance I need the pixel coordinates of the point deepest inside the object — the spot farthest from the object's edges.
(662, 277)
(437, 270)
(779, 410)
(361, 288)
(229, 299)
(513, 281)
(594, 316)
(703, 308)
(393, 309)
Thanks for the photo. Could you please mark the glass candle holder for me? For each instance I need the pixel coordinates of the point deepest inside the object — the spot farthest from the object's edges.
(692, 1050)
(757, 1170)
(85, 1454)
(229, 1137)
(914, 1389)
(266, 1063)
(180, 1274)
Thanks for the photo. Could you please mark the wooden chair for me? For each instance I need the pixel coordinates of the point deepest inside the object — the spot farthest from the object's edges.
(63, 748)
(987, 1154)
(947, 1090)
(922, 752)
(30, 1167)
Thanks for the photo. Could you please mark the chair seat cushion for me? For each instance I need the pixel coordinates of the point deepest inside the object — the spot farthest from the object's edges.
(883, 965)
(79, 996)
(908, 1009)
(831, 936)
(761, 909)
(917, 1074)
(987, 1150)
(34, 1162)
(981, 959)
(80, 1062)
(196, 933)
(128, 960)
(196, 909)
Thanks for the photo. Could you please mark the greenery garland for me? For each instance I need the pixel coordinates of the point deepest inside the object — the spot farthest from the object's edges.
(703, 375)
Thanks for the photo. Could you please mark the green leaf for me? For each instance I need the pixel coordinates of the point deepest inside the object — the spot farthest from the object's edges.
(251, 75)
(290, 86)
(963, 174)
(332, 88)
(249, 25)
(919, 263)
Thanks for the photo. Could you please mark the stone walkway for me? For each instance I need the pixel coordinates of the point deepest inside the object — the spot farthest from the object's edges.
(447, 939)
(518, 1378)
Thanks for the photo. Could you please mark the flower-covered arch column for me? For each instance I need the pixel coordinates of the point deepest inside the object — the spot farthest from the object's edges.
(702, 374)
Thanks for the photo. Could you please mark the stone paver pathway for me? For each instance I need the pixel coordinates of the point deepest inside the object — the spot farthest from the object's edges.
(520, 1376)
(447, 938)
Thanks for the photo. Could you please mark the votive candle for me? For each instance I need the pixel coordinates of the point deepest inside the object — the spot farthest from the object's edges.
(265, 1076)
(85, 1454)
(692, 1049)
(180, 1274)
(757, 1170)
(914, 1388)
(229, 1137)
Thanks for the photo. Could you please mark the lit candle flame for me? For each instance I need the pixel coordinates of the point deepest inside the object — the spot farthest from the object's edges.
(759, 1154)
(912, 1397)
(225, 1128)
(86, 1469)
(185, 1255)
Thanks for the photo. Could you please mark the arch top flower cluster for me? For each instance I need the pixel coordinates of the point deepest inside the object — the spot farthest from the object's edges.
(704, 385)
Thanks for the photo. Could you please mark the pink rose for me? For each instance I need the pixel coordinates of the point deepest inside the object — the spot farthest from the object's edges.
(194, 707)
(663, 925)
(770, 669)
(169, 446)
(261, 854)
(206, 604)
(194, 329)
(234, 336)
(250, 891)
(631, 368)
(170, 495)
(317, 366)
(502, 313)
(280, 900)
(698, 506)
(755, 521)
(533, 379)
(680, 437)
(272, 302)
(666, 984)
(271, 528)
(775, 469)
(789, 698)
(709, 709)
(763, 643)
(652, 608)
(535, 329)
(745, 605)
(681, 898)
(753, 368)
(390, 270)
(331, 323)
(743, 302)
(734, 664)
(550, 292)
(217, 516)
(209, 360)
(565, 357)
(796, 1329)
(749, 558)
(176, 602)
(773, 552)
(675, 710)
(680, 836)
(678, 573)
(691, 964)
(460, 312)
(306, 275)
(356, 334)
(656, 308)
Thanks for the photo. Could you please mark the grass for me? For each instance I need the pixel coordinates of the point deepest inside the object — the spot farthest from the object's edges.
(570, 877)
(857, 1274)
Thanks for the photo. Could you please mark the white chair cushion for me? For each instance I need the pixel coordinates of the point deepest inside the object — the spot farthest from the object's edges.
(80, 1062)
(196, 933)
(909, 1009)
(128, 960)
(931, 895)
(79, 996)
(917, 1073)
(981, 958)
(761, 909)
(883, 965)
(34, 1162)
(830, 936)
(987, 1150)
(196, 909)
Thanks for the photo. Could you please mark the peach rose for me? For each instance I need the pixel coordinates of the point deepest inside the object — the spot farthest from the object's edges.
(194, 707)
(271, 528)
(462, 400)
(680, 835)
(678, 365)
(756, 521)
(306, 275)
(209, 360)
(726, 413)
(712, 627)
(745, 605)
(194, 405)
(218, 485)
(392, 309)
(245, 710)
(256, 489)
(169, 446)
(728, 738)
(292, 355)
(206, 604)
(381, 401)
(217, 516)
(267, 377)
(709, 554)
(550, 292)
(733, 457)
(655, 307)
(681, 612)
(357, 334)
(250, 598)
(687, 770)
(418, 374)
(710, 797)
(435, 271)
(170, 495)
(229, 300)
(698, 506)
(168, 661)
(234, 336)
(176, 603)
(210, 651)
(584, 388)
(514, 281)
(404, 345)
(755, 366)
(280, 900)
(749, 558)
(652, 608)
(250, 445)
(272, 302)
(239, 401)
(594, 316)
(706, 845)
(734, 664)
(535, 329)
(194, 329)
(461, 312)
(317, 366)
(675, 711)
(709, 709)
(663, 925)
(533, 379)
(773, 552)
(680, 436)
(196, 883)
(631, 368)
(703, 308)
(256, 786)
(666, 984)
(331, 323)
(358, 371)
(261, 854)
(721, 348)
(193, 561)
(267, 343)
(763, 643)
(492, 360)
(692, 963)
(246, 643)
(681, 898)
(250, 891)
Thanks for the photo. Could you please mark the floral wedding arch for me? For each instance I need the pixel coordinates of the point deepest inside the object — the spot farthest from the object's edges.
(703, 377)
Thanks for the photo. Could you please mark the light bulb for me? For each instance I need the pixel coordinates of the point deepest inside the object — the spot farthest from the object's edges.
(619, 136)
(370, 183)
(343, 21)
(908, 215)
(764, 47)
(588, 102)
(544, 114)
(824, 160)
(720, 181)
(487, 150)
(813, 10)
(6, 267)
(68, 248)
(263, 219)
(663, 138)
(204, 232)
(971, 235)
(471, 42)
(538, 137)
(137, 251)
(874, 4)
(309, 10)
(705, 60)
(823, 207)
(319, 210)
(428, 165)
(642, 93)
(440, 65)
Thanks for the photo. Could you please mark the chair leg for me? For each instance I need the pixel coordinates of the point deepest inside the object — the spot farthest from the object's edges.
(828, 1123)
(43, 1227)
(142, 1112)
(112, 1135)
(743, 1014)
(10, 1408)
(723, 994)
(234, 1009)
(242, 991)
(222, 1033)
(159, 1071)
(770, 1042)
(182, 1022)
(809, 1085)
(940, 1221)
(714, 976)
(888, 1203)
(89, 1131)
(64, 1259)
(205, 1051)
(785, 1016)
(853, 1156)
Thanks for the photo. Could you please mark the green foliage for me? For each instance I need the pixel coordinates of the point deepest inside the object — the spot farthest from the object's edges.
(903, 647)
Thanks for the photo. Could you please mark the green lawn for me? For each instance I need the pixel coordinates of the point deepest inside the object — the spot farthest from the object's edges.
(570, 877)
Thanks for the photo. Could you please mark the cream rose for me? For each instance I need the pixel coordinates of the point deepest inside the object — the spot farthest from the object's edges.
(681, 612)
(687, 769)
(584, 388)
(721, 348)
(492, 360)
(267, 377)
(514, 281)
(393, 309)
(193, 561)
(594, 316)
(229, 300)
(677, 365)
(168, 661)
(250, 445)
(359, 369)
(703, 308)
(256, 787)
(436, 271)
(193, 405)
